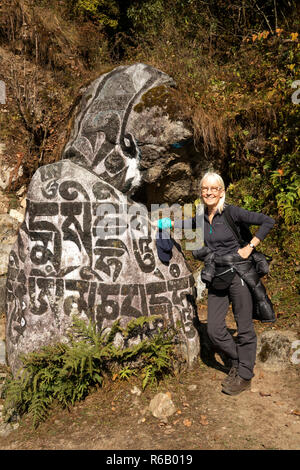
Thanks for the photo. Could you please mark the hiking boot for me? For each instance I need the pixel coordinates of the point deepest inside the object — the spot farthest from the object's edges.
(236, 386)
(230, 376)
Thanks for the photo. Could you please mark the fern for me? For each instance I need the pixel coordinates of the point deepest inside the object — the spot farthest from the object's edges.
(126, 372)
(38, 407)
(66, 373)
(148, 373)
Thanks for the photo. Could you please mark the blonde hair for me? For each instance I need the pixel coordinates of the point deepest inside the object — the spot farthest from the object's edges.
(219, 180)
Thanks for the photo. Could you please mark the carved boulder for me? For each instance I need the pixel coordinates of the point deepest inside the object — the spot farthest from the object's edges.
(85, 246)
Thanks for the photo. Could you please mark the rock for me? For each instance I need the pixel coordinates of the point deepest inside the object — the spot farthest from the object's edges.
(4, 203)
(141, 420)
(136, 391)
(5, 174)
(2, 381)
(85, 246)
(8, 229)
(161, 406)
(5, 429)
(273, 350)
(2, 352)
(21, 191)
(8, 173)
(18, 215)
(171, 167)
(257, 146)
(295, 358)
(200, 286)
(5, 250)
(192, 388)
(23, 203)
(2, 298)
(8, 235)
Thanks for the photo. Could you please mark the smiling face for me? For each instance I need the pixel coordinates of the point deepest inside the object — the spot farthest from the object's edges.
(211, 192)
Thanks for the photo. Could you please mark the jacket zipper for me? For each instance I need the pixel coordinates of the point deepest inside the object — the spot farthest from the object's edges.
(224, 272)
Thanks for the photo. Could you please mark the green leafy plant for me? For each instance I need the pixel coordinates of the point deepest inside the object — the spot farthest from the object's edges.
(105, 12)
(66, 373)
(287, 187)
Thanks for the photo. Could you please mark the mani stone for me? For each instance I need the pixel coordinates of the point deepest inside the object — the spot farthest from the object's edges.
(85, 247)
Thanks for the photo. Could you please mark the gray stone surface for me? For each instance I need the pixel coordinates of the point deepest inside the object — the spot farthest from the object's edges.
(8, 235)
(274, 349)
(2, 294)
(6, 170)
(85, 247)
(140, 100)
(2, 352)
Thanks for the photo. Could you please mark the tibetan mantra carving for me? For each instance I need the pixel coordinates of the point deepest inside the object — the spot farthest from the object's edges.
(84, 246)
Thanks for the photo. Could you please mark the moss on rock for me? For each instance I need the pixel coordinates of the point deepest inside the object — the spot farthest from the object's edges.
(161, 97)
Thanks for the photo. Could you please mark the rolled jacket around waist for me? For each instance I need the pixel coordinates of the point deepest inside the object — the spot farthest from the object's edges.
(245, 268)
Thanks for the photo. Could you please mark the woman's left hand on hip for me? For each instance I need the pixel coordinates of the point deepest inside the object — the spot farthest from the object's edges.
(245, 252)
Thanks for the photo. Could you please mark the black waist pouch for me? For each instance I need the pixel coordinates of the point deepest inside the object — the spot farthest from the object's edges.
(222, 278)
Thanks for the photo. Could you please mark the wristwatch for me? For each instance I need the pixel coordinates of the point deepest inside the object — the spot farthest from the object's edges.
(251, 244)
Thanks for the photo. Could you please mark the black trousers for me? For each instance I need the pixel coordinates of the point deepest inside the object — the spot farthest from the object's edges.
(242, 352)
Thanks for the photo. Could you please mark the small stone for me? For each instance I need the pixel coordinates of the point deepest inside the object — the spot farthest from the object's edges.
(265, 394)
(136, 391)
(161, 406)
(2, 357)
(19, 216)
(23, 203)
(5, 430)
(169, 431)
(192, 388)
(187, 422)
(274, 350)
(21, 191)
(4, 203)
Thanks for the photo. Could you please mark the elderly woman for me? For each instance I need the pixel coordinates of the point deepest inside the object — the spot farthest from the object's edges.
(220, 239)
(226, 284)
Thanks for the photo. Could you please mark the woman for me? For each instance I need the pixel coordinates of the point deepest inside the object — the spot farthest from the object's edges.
(221, 240)
(225, 285)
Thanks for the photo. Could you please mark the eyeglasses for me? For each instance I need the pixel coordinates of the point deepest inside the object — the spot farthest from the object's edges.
(213, 189)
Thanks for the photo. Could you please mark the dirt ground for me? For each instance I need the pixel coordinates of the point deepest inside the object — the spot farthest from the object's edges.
(113, 418)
